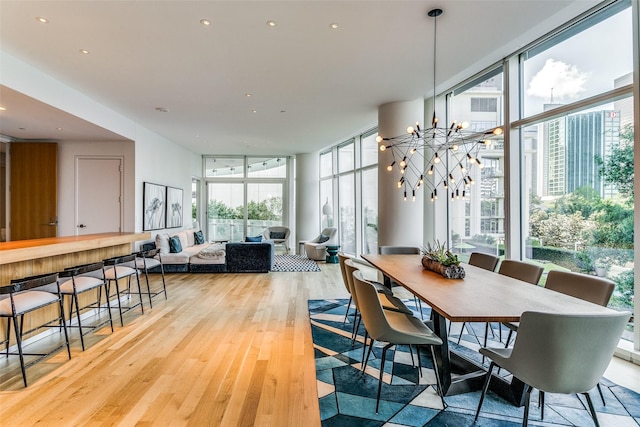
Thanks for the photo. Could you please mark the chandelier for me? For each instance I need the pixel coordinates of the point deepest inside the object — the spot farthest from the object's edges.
(438, 158)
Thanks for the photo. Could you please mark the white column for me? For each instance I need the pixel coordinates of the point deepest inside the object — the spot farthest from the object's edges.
(400, 223)
(307, 197)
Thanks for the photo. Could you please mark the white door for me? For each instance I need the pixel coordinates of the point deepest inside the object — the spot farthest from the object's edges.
(98, 195)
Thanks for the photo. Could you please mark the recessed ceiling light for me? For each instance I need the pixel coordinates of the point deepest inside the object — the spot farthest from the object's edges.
(84, 51)
(333, 26)
(3, 109)
(42, 20)
(58, 128)
(254, 111)
(205, 22)
(271, 23)
(162, 109)
(248, 95)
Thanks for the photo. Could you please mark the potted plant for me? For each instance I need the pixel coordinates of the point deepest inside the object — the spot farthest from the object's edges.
(439, 259)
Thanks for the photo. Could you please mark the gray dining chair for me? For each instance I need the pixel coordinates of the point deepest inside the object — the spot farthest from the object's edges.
(388, 301)
(597, 290)
(393, 328)
(558, 353)
(402, 250)
(486, 262)
(520, 270)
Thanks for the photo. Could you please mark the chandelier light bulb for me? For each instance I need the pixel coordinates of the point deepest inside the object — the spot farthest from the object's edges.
(390, 167)
(486, 142)
(451, 178)
(471, 181)
(410, 129)
(430, 172)
(402, 171)
(435, 194)
(383, 147)
(403, 162)
(378, 139)
(497, 131)
(421, 180)
(436, 159)
(413, 150)
(480, 165)
(413, 197)
(444, 183)
(464, 125)
(462, 168)
(405, 195)
(454, 147)
(432, 197)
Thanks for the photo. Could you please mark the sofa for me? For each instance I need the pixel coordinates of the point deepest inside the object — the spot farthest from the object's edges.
(244, 257)
(316, 249)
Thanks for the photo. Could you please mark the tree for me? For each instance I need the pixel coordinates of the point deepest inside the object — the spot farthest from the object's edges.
(618, 167)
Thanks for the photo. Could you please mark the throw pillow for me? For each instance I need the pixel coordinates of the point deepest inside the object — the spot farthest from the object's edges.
(174, 245)
(322, 238)
(162, 243)
(253, 239)
(198, 237)
(277, 234)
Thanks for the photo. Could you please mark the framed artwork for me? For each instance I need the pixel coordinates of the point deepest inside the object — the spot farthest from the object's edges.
(154, 205)
(174, 207)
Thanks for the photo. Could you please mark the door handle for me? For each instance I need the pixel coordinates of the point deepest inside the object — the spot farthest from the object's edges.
(81, 226)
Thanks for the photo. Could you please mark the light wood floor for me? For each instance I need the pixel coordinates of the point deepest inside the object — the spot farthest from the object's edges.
(224, 349)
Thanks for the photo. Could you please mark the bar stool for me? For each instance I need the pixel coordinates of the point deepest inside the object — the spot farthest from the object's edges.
(145, 261)
(80, 279)
(116, 269)
(25, 296)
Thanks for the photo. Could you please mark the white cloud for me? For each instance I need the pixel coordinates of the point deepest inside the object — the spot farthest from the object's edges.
(565, 80)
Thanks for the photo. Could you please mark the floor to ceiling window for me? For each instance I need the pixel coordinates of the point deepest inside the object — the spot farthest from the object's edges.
(577, 177)
(349, 181)
(245, 195)
(476, 221)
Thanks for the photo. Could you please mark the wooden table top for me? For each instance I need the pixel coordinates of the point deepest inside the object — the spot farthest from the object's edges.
(23, 250)
(482, 296)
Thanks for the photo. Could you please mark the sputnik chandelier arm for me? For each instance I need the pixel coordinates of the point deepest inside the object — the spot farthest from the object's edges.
(437, 158)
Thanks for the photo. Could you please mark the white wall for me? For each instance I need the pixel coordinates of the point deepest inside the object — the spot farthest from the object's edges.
(163, 162)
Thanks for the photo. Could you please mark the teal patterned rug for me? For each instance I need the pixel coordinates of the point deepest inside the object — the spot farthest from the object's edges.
(348, 397)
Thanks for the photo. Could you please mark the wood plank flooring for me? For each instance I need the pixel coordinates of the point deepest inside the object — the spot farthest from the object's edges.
(224, 349)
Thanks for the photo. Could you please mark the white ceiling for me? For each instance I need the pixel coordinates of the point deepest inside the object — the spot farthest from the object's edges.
(311, 86)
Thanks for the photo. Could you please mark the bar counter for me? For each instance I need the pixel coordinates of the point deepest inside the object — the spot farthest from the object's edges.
(40, 256)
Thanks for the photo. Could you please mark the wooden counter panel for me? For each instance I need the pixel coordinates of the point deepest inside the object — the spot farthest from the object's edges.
(41, 256)
(40, 248)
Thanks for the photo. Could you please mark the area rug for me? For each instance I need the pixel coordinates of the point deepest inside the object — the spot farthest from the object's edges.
(348, 396)
(294, 263)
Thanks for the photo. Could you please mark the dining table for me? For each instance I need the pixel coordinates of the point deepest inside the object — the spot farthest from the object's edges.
(481, 296)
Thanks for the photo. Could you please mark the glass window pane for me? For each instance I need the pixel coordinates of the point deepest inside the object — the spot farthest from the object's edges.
(369, 148)
(267, 167)
(370, 210)
(477, 222)
(326, 164)
(225, 212)
(579, 195)
(264, 207)
(588, 63)
(346, 157)
(347, 211)
(326, 197)
(195, 196)
(222, 167)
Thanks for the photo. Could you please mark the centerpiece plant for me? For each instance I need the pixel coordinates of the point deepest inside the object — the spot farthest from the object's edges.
(438, 258)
